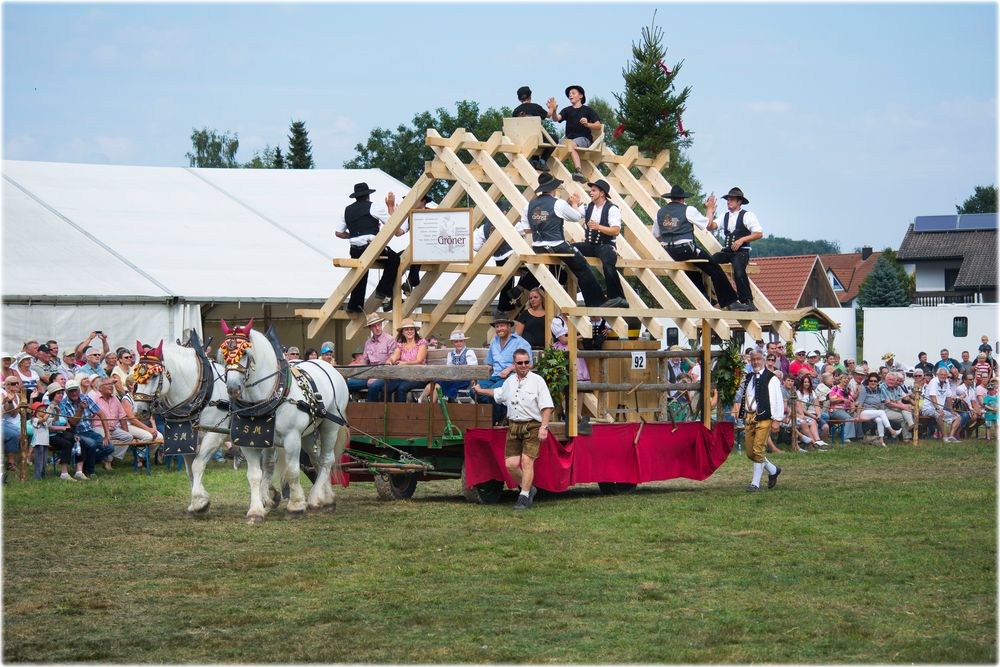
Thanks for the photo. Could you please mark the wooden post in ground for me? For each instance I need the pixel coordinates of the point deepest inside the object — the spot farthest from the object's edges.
(916, 420)
(792, 408)
(23, 410)
(706, 374)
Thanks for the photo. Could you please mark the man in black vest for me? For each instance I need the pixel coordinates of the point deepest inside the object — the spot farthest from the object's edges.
(740, 228)
(762, 410)
(603, 222)
(545, 216)
(360, 224)
(529, 108)
(674, 228)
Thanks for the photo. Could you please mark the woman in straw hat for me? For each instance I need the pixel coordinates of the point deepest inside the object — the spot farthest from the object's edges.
(411, 351)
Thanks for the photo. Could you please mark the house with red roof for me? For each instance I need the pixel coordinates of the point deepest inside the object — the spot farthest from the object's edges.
(846, 271)
(796, 281)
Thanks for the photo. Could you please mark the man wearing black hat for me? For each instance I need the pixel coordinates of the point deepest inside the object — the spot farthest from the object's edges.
(740, 228)
(674, 228)
(528, 108)
(581, 121)
(545, 216)
(360, 224)
(603, 223)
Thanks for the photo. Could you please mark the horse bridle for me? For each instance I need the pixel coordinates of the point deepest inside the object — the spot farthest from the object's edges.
(235, 347)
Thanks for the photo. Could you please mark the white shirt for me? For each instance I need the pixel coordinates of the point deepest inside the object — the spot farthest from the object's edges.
(749, 221)
(939, 390)
(774, 398)
(694, 216)
(525, 399)
(470, 357)
(967, 394)
(614, 214)
(378, 211)
(564, 211)
(479, 238)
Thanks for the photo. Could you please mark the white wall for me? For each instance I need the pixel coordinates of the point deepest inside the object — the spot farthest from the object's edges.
(908, 331)
(930, 275)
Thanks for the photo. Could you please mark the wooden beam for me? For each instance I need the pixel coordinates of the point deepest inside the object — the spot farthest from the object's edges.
(510, 267)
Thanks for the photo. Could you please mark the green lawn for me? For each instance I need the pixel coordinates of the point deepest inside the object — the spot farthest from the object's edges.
(859, 555)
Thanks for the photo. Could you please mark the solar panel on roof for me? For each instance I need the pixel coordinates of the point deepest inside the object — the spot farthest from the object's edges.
(935, 223)
(978, 221)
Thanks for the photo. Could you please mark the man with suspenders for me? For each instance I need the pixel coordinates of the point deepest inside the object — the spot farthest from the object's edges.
(740, 228)
(674, 228)
(603, 222)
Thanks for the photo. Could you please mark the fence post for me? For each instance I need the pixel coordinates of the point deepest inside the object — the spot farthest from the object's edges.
(793, 405)
(23, 410)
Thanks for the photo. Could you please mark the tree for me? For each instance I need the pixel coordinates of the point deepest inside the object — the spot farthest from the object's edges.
(883, 286)
(267, 158)
(279, 160)
(650, 106)
(299, 147)
(983, 200)
(212, 149)
(402, 153)
(779, 246)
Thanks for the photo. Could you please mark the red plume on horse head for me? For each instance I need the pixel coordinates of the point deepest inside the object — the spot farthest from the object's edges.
(154, 354)
(237, 331)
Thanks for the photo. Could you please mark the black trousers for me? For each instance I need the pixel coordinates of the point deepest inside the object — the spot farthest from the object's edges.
(386, 283)
(724, 292)
(593, 295)
(739, 260)
(609, 260)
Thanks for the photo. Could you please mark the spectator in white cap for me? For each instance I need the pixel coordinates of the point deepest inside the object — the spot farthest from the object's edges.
(459, 355)
(890, 362)
(801, 363)
(22, 367)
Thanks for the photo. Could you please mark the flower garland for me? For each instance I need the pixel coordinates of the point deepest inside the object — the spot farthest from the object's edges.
(233, 349)
(728, 371)
(146, 371)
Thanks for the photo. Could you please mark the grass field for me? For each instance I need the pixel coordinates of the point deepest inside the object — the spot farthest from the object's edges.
(858, 555)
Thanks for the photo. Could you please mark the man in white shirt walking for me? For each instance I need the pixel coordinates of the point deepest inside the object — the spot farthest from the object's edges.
(762, 410)
(529, 406)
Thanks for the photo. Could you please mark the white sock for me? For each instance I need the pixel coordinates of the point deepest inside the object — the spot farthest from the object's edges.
(524, 493)
(758, 470)
(770, 467)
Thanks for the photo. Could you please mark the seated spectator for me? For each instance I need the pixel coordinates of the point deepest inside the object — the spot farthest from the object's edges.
(787, 391)
(68, 367)
(889, 359)
(433, 343)
(530, 323)
(842, 407)
(947, 363)
(924, 365)
(897, 402)
(138, 429)
(61, 440)
(356, 359)
(411, 350)
(807, 409)
(560, 341)
(459, 356)
(38, 453)
(311, 353)
(799, 363)
(378, 348)
(123, 370)
(870, 408)
(93, 365)
(679, 406)
(44, 364)
(966, 364)
(30, 347)
(85, 345)
(326, 352)
(81, 412)
(111, 422)
(966, 405)
(500, 359)
(823, 388)
(938, 396)
(781, 361)
(989, 402)
(8, 361)
(22, 368)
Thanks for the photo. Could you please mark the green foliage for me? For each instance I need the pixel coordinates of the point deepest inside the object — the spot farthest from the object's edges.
(402, 153)
(779, 246)
(650, 104)
(553, 366)
(212, 149)
(727, 372)
(266, 158)
(907, 280)
(983, 200)
(299, 147)
(883, 287)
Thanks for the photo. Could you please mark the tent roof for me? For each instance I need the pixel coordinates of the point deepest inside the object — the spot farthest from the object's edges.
(172, 232)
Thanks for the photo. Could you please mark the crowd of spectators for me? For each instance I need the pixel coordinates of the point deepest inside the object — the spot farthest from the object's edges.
(79, 407)
(823, 394)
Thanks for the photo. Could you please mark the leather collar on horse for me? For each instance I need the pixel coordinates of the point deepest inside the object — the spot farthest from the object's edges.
(191, 407)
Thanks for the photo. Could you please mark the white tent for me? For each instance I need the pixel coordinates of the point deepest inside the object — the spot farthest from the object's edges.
(142, 249)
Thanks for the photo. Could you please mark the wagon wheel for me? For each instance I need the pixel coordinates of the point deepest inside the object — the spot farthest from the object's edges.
(615, 488)
(395, 487)
(472, 495)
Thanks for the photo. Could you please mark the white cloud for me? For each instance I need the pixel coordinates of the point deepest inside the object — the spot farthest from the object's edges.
(22, 147)
(768, 106)
(115, 149)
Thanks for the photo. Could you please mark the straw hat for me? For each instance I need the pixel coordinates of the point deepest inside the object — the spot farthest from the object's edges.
(457, 335)
(408, 323)
(374, 318)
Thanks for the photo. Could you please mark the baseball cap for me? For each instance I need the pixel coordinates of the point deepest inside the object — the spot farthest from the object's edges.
(69, 353)
(814, 353)
(326, 349)
(29, 341)
(293, 350)
(800, 351)
(72, 384)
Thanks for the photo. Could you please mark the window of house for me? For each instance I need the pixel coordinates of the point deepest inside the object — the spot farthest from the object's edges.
(837, 287)
(950, 276)
(960, 327)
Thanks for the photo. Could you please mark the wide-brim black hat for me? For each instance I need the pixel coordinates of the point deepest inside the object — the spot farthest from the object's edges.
(547, 183)
(601, 185)
(583, 93)
(677, 192)
(360, 190)
(736, 193)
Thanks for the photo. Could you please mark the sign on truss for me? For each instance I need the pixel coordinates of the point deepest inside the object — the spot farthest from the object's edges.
(441, 235)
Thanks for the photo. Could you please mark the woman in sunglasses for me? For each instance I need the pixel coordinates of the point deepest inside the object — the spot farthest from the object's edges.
(870, 407)
(808, 408)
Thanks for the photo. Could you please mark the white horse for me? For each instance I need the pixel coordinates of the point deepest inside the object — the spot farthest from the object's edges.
(256, 375)
(171, 377)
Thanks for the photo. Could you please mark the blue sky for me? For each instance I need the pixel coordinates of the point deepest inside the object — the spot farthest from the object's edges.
(839, 121)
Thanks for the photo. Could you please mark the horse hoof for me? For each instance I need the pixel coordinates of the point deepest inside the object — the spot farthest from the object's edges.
(198, 513)
(332, 507)
(275, 496)
(255, 520)
(295, 515)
